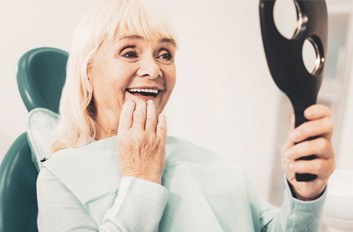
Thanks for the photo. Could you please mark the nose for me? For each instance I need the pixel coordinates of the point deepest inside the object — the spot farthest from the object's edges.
(149, 68)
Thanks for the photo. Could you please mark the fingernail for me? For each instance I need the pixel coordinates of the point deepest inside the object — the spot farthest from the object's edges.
(150, 102)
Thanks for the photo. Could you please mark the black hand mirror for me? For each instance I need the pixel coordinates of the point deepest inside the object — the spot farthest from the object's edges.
(285, 59)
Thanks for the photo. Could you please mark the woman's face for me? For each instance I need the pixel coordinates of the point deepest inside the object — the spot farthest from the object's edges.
(131, 67)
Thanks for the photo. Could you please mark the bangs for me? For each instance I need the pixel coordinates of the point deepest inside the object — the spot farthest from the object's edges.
(134, 18)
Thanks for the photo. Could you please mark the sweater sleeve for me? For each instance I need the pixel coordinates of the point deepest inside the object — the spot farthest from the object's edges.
(138, 206)
(294, 215)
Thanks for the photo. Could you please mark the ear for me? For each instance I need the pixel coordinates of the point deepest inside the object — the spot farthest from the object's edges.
(90, 74)
(90, 83)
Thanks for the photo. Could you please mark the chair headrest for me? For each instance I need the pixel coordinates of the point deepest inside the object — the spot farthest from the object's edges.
(41, 76)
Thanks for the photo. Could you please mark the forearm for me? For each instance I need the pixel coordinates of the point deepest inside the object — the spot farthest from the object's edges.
(138, 206)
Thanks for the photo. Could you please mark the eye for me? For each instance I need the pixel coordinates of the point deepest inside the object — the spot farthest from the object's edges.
(165, 55)
(130, 54)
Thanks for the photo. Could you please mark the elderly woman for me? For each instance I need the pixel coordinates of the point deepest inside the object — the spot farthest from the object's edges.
(114, 169)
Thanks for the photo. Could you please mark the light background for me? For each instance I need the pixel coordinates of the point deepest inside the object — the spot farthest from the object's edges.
(224, 100)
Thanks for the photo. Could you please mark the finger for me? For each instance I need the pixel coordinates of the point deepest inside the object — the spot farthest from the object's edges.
(151, 119)
(286, 146)
(320, 127)
(317, 111)
(321, 168)
(126, 116)
(139, 118)
(162, 126)
(288, 143)
(290, 175)
(286, 164)
(320, 147)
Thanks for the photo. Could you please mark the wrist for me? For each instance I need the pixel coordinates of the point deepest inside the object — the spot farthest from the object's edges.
(151, 178)
(157, 180)
(299, 196)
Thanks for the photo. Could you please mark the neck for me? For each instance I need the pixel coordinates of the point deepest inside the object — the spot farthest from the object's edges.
(102, 134)
(104, 129)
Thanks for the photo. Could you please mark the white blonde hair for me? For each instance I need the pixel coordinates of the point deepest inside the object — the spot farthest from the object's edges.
(106, 21)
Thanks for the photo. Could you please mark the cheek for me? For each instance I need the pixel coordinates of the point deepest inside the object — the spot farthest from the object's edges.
(109, 81)
(111, 91)
(106, 90)
(170, 83)
(171, 78)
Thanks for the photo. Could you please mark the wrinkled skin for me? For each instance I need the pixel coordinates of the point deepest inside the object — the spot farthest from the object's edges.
(320, 125)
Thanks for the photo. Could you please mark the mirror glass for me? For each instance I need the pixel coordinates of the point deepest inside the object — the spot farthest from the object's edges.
(311, 57)
(285, 16)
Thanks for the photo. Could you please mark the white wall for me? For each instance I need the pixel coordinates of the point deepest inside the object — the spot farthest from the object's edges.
(25, 25)
(224, 99)
(345, 151)
(344, 78)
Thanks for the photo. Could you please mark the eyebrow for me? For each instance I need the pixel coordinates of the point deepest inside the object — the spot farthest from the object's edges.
(138, 37)
(134, 37)
(167, 40)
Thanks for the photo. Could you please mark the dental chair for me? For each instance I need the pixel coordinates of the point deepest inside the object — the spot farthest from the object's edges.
(40, 78)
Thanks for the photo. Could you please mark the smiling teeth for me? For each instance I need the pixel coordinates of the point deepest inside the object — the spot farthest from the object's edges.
(155, 91)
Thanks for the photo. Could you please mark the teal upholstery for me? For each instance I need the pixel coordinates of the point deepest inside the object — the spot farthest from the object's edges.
(18, 202)
(40, 79)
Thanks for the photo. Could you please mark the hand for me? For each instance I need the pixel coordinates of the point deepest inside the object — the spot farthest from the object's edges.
(295, 147)
(141, 141)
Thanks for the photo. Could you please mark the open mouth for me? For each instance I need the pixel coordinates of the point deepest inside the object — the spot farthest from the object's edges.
(144, 92)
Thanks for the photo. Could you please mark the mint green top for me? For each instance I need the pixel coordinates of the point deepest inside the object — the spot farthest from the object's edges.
(81, 190)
